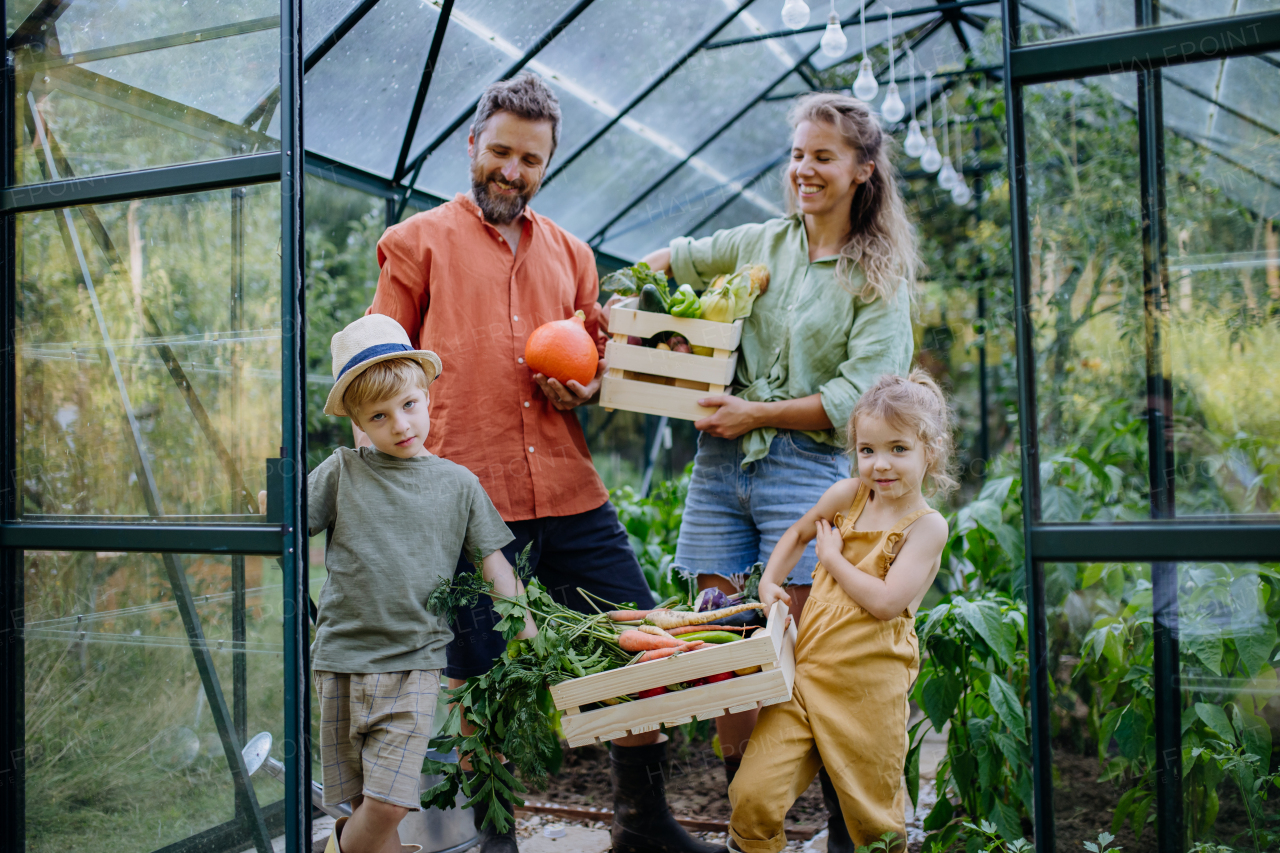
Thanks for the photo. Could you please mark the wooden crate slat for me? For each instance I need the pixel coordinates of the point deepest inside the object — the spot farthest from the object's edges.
(625, 319)
(753, 651)
(678, 365)
(632, 395)
(675, 708)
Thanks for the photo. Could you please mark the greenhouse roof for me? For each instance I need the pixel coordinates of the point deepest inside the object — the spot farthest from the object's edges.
(674, 113)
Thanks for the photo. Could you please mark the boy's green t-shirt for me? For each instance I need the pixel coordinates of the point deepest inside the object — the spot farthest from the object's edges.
(398, 528)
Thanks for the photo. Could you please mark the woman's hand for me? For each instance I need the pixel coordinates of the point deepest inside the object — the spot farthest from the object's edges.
(606, 311)
(734, 416)
(770, 592)
(829, 544)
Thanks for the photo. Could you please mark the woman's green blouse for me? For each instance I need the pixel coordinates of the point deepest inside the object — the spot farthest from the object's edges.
(806, 334)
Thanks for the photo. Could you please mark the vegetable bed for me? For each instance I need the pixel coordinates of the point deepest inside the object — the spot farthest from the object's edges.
(707, 678)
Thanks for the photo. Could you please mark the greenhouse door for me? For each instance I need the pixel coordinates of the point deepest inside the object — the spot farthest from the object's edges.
(155, 619)
(1140, 343)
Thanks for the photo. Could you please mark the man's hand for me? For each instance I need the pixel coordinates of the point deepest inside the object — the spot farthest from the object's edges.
(571, 394)
(734, 416)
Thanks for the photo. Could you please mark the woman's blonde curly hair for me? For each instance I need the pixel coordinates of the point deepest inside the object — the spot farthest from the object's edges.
(915, 403)
(882, 240)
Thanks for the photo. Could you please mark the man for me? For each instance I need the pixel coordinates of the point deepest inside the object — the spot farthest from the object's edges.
(471, 279)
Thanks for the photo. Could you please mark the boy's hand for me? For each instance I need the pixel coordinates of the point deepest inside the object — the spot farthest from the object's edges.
(262, 502)
(829, 544)
(770, 592)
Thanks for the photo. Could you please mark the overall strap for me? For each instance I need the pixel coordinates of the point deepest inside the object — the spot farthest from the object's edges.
(894, 538)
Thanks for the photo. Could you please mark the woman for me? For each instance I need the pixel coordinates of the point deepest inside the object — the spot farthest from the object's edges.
(835, 317)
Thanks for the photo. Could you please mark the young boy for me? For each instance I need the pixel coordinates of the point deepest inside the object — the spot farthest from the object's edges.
(397, 518)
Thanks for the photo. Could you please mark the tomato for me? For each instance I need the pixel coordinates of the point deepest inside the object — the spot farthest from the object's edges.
(653, 691)
(724, 676)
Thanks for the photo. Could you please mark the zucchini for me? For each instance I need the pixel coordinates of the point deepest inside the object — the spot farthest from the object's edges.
(651, 299)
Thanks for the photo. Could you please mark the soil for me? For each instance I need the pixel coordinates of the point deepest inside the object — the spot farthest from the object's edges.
(696, 786)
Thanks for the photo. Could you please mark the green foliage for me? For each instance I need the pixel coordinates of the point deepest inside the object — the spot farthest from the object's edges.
(653, 524)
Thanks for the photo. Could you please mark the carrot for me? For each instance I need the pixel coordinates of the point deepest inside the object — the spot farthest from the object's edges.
(628, 615)
(639, 641)
(658, 654)
(690, 629)
(669, 619)
(653, 629)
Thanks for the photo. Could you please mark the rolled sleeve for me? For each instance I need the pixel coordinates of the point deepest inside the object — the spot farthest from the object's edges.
(402, 292)
(696, 262)
(587, 297)
(880, 342)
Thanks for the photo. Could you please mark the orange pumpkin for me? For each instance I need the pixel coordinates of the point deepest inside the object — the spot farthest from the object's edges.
(563, 350)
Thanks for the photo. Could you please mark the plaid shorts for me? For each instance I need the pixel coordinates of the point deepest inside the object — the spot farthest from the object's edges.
(374, 729)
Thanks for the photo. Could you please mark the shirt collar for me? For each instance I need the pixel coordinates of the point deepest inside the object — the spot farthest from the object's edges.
(469, 203)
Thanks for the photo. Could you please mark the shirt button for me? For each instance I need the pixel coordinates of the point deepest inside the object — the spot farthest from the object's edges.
(500, 240)
(520, 360)
(531, 448)
(515, 318)
(526, 404)
(777, 349)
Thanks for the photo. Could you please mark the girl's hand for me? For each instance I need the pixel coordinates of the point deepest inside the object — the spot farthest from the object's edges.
(770, 593)
(733, 417)
(829, 544)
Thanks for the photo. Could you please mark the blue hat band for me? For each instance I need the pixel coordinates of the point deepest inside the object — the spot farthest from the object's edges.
(372, 352)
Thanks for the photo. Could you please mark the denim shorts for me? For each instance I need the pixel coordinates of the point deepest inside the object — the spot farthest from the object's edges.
(734, 517)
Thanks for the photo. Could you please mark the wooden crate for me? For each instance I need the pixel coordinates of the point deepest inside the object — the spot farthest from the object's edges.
(658, 382)
(773, 650)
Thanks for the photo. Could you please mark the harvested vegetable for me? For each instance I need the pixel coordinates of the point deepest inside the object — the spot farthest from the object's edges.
(631, 280)
(716, 637)
(679, 343)
(748, 670)
(563, 350)
(684, 303)
(723, 676)
(653, 629)
(652, 691)
(640, 641)
(628, 615)
(694, 629)
(730, 297)
(670, 619)
(653, 299)
(711, 599)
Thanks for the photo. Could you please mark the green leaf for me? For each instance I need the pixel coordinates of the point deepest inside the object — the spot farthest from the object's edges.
(1008, 708)
(1006, 820)
(939, 816)
(988, 622)
(939, 695)
(1216, 718)
(1131, 733)
(1060, 504)
(1207, 649)
(1255, 647)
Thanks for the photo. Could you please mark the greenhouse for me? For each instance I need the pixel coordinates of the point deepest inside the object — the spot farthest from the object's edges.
(195, 194)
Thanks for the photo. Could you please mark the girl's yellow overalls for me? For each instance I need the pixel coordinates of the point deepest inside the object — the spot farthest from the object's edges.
(848, 710)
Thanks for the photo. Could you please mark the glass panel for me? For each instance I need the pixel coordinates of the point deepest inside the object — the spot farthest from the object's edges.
(1103, 735)
(1052, 22)
(1086, 300)
(1224, 283)
(122, 738)
(96, 115)
(92, 26)
(1228, 615)
(148, 356)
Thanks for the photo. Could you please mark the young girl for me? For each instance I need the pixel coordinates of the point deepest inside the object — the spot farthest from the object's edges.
(879, 546)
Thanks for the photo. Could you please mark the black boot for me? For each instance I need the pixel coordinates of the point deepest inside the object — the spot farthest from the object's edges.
(642, 821)
(838, 838)
(492, 841)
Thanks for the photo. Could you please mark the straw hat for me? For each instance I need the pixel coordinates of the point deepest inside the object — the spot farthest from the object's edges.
(367, 341)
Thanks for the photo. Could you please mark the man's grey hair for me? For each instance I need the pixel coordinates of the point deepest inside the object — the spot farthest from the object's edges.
(525, 95)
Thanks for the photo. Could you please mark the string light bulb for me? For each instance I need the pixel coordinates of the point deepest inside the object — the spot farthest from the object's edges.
(834, 43)
(914, 144)
(795, 14)
(865, 87)
(892, 109)
(947, 174)
(931, 159)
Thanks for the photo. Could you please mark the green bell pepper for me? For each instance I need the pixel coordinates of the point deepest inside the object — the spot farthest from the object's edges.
(684, 303)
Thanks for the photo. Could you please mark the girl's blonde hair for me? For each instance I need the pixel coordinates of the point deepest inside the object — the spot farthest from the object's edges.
(882, 240)
(384, 380)
(915, 403)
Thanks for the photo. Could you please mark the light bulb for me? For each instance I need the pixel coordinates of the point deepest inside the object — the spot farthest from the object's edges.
(914, 146)
(893, 109)
(947, 174)
(960, 193)
(931, 159)
(865, 87)
(795, 14)
(834, 44)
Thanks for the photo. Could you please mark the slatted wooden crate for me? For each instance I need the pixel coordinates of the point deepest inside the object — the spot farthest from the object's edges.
(773, 650)
(658, 382)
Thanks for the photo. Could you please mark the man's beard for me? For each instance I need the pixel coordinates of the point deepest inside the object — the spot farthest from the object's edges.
(500, 209)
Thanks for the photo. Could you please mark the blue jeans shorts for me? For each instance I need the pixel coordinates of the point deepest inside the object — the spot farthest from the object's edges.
(734, 517)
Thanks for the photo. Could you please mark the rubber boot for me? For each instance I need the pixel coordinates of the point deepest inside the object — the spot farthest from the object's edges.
(492, 841)
(838, 838)
(642, 821)
(332, 846)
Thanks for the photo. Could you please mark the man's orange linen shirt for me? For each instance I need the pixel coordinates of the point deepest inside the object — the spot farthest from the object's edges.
(450, 279)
